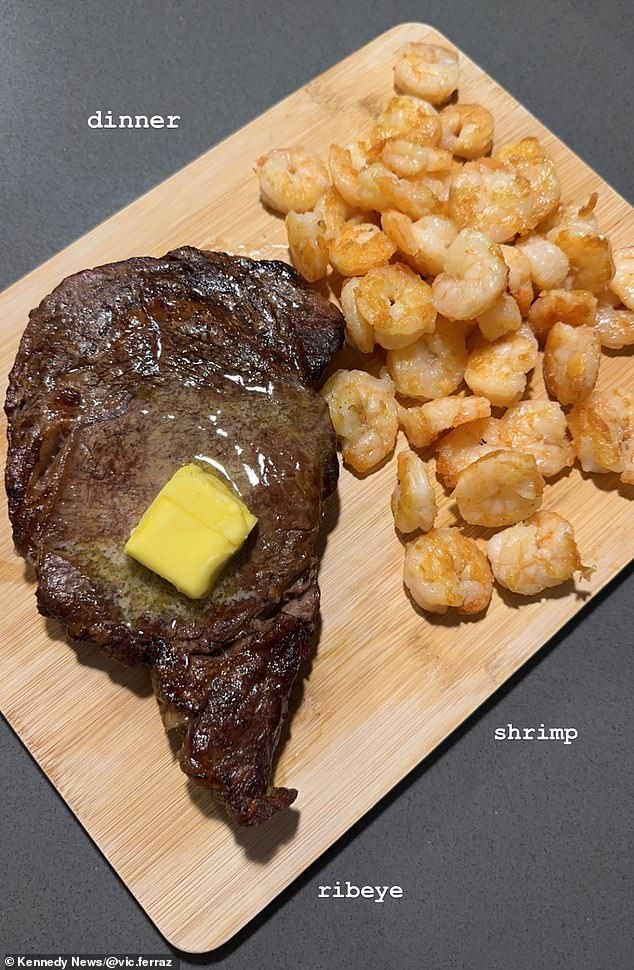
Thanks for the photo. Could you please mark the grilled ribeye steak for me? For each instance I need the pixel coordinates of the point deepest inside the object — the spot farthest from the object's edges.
(125, 373)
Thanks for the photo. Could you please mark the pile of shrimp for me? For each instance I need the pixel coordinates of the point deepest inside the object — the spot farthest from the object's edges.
(459, 264)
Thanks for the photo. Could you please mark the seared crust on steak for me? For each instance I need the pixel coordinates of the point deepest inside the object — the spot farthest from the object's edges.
(125, 373)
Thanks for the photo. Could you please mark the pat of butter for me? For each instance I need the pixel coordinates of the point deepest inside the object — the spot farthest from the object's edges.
(193, 526)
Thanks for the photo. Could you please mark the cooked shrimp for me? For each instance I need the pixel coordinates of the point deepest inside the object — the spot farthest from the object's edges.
(397, 304)
(358, 330)
(461, 447)
(379, 188)
(333, 211)
(408, 159)
(427, 71)
(520, 283)
(571, 362)
(440, 184)
(474, 277)
(614, 325)
(345, 164)
(291, 179)
(423, 424)
(411, 196)
(578, 308)
(536, 554)
(588, 250)
(307, 244)
(445, 569)
(359, 247)
(581, 218)
(467, 130)
(405, 116)
(528, 159)
(498, 370)
(495, 202)
(501, 488)
(622, 282)
(364, 182)
(423, 243)
(539, 428)
(433, 366)
(413, 500)
(590, 258)
(503, 317)
(549, 264)
(364, 415)
(602, 429)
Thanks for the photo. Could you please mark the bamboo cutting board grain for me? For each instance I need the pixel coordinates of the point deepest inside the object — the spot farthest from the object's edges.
(386, 685)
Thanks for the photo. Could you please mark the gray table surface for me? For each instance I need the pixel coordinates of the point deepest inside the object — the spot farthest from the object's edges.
(510, 855)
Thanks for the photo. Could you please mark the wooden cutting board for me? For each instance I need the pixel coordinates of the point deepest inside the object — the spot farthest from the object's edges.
(386, 685)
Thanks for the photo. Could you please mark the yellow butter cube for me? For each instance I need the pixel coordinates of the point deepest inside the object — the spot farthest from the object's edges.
(193, 526)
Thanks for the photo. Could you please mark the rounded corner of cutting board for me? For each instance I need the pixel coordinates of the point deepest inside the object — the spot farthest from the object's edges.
(190, 944)
(410, 26)
(200, 940)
